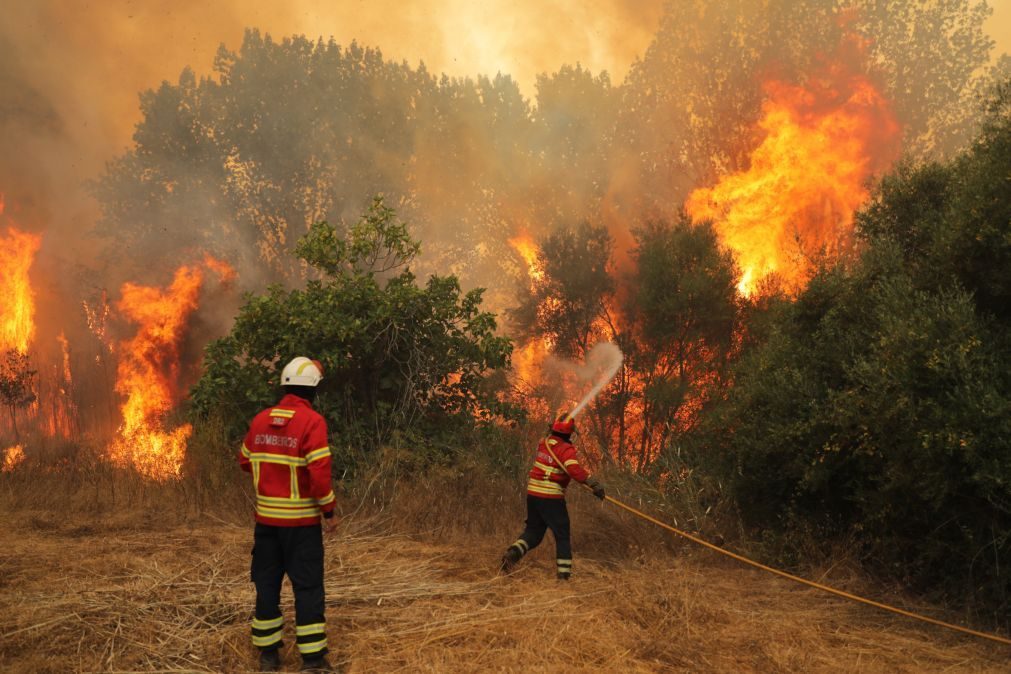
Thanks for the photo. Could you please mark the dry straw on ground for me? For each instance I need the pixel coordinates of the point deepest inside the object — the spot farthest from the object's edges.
(119, 593)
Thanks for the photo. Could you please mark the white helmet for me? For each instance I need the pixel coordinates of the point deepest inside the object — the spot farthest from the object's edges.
(302, 372)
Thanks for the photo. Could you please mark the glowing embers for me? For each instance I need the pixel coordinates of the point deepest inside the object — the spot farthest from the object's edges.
(12, 458)
(821, 142)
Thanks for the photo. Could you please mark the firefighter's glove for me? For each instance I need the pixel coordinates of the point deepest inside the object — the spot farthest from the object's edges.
(598, 489)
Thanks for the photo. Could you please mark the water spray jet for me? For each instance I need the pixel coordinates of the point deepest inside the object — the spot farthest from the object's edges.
(606, 358)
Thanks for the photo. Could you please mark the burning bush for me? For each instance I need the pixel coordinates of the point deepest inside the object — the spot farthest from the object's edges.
(878, 404)
(673, 315)
(399, 358)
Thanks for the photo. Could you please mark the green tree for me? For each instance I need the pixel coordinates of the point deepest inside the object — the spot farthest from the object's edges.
(877, 404)
(402, 360)
(681, 321)
(17, 384)
(571, 303)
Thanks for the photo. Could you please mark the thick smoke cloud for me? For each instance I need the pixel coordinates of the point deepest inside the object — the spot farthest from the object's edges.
(677, 108)
(71, 73)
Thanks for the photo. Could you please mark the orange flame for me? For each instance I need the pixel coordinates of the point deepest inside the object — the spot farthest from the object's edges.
(13, 457)
(147, 372)
(822, 142)
(528, 360)
(524, 244)
(17, 310)
(226, 272)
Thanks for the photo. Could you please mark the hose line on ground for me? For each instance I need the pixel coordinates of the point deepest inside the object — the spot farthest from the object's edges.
(804, 581)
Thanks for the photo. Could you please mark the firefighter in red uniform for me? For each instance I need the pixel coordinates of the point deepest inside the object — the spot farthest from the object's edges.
(287, 452)
(554, 465)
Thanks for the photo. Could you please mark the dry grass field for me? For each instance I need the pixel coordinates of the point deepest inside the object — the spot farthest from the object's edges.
(138, 587)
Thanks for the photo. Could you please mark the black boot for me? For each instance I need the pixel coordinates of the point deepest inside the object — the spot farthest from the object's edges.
(563, 575)
(270, 661)
(510, 558)
(317, 664)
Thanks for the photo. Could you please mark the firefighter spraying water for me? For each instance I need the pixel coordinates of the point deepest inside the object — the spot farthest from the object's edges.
(555, 465)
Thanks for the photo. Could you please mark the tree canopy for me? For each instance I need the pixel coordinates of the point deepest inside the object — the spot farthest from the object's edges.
(402, 360)
(877, 404)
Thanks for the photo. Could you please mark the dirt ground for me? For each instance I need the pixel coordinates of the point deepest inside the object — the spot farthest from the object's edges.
(119, 593)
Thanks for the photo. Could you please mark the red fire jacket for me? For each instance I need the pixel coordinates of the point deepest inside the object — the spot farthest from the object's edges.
(286, 450)
(547, 478)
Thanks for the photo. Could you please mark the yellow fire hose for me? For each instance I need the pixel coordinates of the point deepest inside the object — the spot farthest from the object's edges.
(804, 581)
(784, 574)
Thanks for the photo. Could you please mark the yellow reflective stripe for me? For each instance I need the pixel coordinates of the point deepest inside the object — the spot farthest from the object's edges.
(317, 454)
(294, 482)
(268, 640)
(546, 468)
(287, 514)
(314, 647)
(315, 628)
(245, 450)
(521, 544)
(547, 492)
(273, 623)
(256, 475)
(552, 442)
(544, 483)
(283, 502)
(544, 489)
(538, 492)
(279, 412)
(571, 462)
(290, 511)
(328, 499)
(282, 459)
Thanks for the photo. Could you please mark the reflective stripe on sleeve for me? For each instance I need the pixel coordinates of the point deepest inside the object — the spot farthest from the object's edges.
(328, 499)
(317, 454)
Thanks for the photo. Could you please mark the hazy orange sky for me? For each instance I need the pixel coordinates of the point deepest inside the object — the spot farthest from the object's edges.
(81, 65)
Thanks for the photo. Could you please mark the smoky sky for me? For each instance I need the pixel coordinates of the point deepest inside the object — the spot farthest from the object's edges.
(71, 74)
